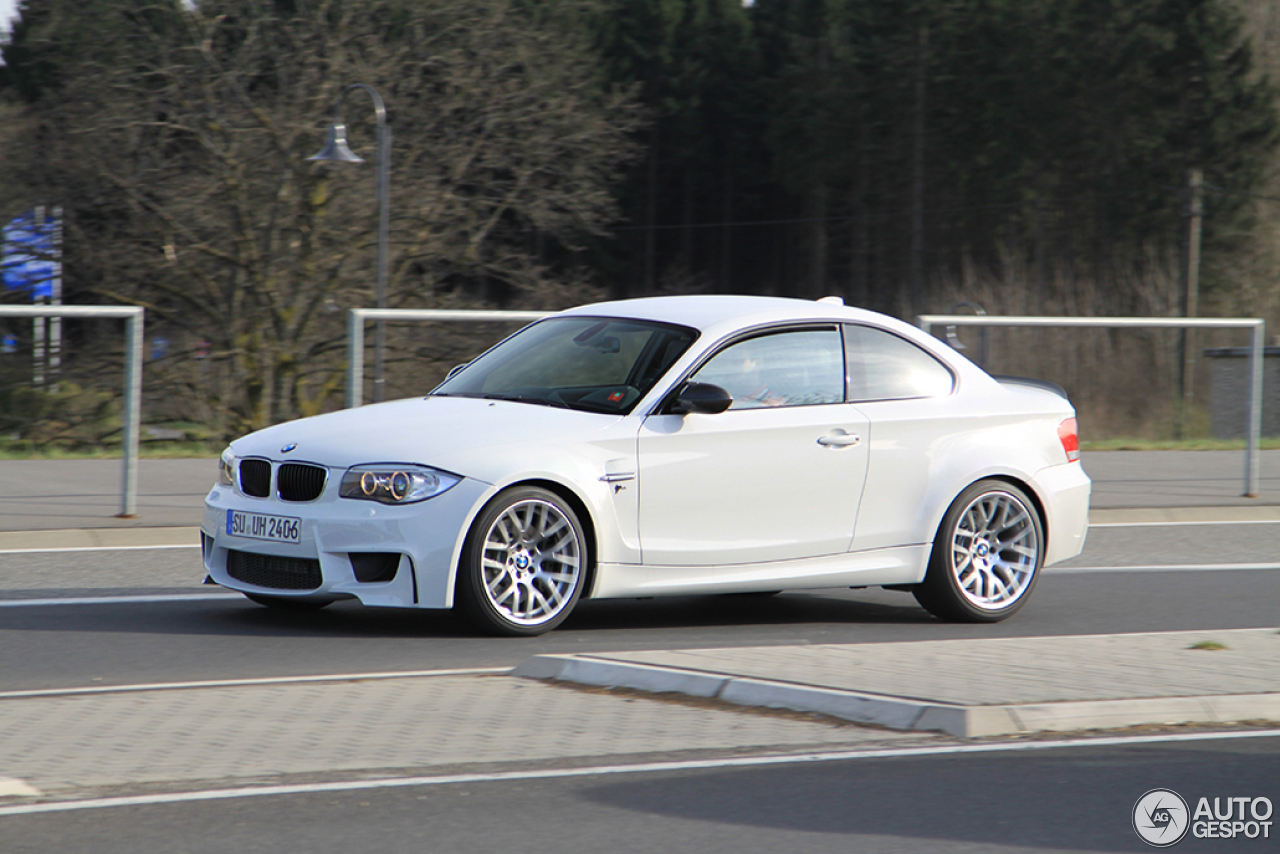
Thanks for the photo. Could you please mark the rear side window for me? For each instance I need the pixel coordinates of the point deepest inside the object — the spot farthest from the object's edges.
(882, 366)
(794, 368)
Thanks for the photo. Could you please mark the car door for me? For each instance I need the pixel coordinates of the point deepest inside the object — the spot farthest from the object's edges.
(778, 476)
(907, 396)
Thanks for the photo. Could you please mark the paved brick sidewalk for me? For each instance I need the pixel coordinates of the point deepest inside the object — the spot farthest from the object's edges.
(64, 743)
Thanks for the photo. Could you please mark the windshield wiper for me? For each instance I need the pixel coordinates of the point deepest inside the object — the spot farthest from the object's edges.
(523, 398)
(576, 406)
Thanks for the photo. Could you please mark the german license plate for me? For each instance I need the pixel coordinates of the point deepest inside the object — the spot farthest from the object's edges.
(260, 526)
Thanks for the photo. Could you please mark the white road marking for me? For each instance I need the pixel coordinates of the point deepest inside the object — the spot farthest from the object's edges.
(602, 770)
(1183, 524)
(96, 549)
(240, 683)
(231, 596)
(1176, 567)
(120, 600)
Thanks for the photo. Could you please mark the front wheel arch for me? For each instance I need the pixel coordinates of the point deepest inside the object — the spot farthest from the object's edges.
(561, 491)
(584, 518)
(525, 522)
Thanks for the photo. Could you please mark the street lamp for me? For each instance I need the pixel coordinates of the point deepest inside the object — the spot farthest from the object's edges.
(336, 150)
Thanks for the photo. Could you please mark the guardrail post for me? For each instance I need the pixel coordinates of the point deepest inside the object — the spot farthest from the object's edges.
(1252, 453)
(355, 358)
(132, 415)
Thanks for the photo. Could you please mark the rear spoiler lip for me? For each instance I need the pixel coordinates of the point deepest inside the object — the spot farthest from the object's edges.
(1043, 385)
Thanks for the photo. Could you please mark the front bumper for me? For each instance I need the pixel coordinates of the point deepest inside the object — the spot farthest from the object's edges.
(417, 545)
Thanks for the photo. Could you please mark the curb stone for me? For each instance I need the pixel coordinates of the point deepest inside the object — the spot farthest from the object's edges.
(12, 787)
(901, 713)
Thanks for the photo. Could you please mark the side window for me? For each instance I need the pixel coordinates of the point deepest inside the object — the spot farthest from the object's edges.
(883, 366)
(797, 368)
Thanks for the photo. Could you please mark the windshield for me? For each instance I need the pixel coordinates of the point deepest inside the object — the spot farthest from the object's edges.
(590, 363)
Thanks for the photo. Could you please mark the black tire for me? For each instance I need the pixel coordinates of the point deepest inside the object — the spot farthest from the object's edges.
(524, 564)
(986, 556)
(287, 603)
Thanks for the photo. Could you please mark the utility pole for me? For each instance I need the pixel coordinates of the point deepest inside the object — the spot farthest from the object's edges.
(916, 285)
(55, 299)
(651, 216)
(1039, 257)
(1195, 212)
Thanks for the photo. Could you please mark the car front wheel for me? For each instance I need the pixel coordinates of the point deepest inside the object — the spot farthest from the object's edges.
(524, 564)
(986, 556)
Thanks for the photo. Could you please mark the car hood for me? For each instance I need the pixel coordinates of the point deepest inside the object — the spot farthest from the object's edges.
(460, 435)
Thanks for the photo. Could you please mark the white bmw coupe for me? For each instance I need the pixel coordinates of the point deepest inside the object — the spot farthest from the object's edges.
(665, 446)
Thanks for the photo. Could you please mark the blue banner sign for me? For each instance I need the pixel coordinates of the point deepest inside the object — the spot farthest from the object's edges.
(30, 255)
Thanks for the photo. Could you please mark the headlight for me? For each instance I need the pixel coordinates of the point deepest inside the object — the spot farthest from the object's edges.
(227, 468)
(395, 484)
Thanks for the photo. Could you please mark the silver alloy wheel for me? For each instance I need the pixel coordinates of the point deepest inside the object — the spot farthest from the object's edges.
(995, 550)
(531, 562)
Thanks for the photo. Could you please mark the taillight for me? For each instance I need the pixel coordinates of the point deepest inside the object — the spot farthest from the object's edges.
(1069, 435)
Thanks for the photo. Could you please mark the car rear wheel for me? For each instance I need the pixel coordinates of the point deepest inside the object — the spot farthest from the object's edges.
(986, 556)
(524, 563)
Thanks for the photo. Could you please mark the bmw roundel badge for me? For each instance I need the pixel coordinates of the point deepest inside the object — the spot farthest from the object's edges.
(289, 447)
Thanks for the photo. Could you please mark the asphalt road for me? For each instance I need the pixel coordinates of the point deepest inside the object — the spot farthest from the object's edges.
(1124, 582)
(99, 618)
(1078, 799)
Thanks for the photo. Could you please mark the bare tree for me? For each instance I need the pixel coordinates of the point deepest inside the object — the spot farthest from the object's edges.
(189, 138)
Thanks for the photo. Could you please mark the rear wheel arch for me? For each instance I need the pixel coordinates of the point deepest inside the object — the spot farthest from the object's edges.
(967, 585)
(1013, 480)
(1037, 502)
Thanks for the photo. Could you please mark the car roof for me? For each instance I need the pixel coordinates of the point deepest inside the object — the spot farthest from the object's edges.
(716, 312)
(718, 316)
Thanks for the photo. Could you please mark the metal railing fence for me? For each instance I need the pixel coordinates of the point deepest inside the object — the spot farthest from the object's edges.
(1257, 328)
(132, 415)
(357, 317)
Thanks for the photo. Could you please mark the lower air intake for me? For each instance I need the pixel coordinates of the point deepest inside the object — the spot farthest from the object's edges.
(375, 566)
(278, 573)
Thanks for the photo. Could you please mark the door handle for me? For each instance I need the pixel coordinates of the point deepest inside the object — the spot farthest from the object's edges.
(839, 439)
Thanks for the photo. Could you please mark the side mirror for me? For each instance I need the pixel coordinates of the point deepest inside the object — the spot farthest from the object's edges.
(701, 397)
(455, 370)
